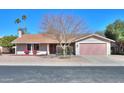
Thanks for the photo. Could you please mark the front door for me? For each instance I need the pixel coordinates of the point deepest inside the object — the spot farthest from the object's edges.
(52, 48)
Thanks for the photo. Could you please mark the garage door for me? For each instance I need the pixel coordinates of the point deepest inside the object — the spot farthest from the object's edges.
(93, 49)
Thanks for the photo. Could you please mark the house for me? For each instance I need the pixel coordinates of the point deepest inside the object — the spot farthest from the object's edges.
(1, 48)
(44, 44)
(4, 50)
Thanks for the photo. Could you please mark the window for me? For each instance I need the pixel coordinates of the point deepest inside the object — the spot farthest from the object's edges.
(29, 46)
(36, 46)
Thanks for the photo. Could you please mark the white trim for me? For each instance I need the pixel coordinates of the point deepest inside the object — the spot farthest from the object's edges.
(31, 51)
(31, 43)
(48, 52)
(15, 49)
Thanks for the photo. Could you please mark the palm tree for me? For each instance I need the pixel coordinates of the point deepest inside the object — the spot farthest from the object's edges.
(18, 21)
(24, 17)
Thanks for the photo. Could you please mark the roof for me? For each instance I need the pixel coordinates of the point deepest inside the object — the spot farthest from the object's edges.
(35, 38)
(46, 38)
(95, 35)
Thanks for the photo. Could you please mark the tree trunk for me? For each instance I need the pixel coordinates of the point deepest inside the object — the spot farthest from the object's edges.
(64, 54)
(64, 51)
(18, 26)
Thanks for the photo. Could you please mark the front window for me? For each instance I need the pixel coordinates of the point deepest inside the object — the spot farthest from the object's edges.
(29, 47)
(36, 46)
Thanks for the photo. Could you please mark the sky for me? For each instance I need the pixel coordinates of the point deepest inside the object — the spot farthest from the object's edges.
(95, 19)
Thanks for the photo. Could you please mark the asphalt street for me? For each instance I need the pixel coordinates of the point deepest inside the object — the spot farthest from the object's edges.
(42, 74)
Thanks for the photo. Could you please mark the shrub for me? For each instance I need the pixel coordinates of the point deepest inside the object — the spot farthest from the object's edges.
(34, 52)
(69, 50)
(26, 51)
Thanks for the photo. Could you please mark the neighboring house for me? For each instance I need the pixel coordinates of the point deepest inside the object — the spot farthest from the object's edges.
(4, 49)
(1, 48)
(44, 44)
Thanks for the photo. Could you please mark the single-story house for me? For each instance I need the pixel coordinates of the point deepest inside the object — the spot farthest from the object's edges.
(1, 48)
(92, 44)
(4, 49)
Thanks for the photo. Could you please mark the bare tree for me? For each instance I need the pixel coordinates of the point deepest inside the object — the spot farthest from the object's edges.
(64, 28)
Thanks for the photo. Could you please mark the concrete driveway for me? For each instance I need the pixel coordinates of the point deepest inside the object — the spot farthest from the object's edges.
(105, 60)
(113, 60)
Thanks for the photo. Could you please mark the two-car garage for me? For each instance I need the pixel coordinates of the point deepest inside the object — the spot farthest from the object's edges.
(93, 45)
(93, 49)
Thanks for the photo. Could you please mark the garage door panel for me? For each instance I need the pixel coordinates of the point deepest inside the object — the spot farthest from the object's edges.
(93, 49)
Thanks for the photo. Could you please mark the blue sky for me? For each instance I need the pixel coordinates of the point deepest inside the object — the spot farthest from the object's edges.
(96, 19)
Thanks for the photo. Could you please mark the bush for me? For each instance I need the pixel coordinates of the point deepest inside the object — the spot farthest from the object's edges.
(34, 52)
(70, 50)
(26, 51)
(59, 50)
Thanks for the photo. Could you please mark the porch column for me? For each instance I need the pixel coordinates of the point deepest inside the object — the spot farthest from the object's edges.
(31, 48)
(15, 49)
(48, 49)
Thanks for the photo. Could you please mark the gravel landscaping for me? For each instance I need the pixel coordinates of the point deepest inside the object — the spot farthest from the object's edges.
(52, 60)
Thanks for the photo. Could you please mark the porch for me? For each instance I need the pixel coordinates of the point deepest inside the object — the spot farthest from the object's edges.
(40, 49)
(37, 49)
